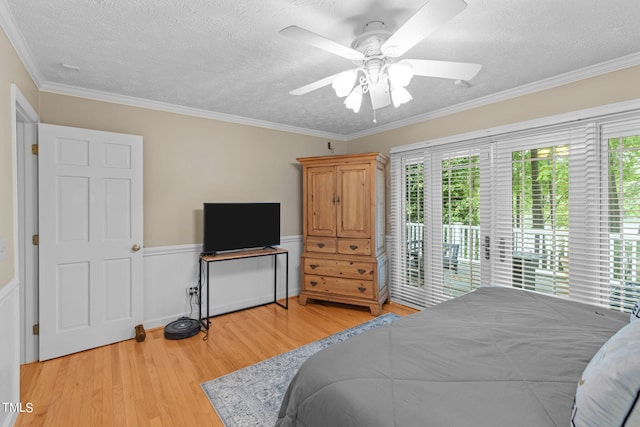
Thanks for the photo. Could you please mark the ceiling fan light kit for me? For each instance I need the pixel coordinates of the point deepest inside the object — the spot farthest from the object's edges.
(354, 100)
(375, 51)
(344, 82)
(400, 74)
(400, 96)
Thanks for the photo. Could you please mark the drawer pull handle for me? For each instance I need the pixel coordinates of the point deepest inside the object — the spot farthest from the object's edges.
(362, 288)
(353, 247)
(362, 270)
(314, 266)
(313, 283)
(321, 245)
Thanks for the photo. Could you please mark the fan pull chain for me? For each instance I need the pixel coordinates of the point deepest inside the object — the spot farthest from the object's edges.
(374, 116)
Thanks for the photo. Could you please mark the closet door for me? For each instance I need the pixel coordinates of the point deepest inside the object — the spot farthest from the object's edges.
(90, 224)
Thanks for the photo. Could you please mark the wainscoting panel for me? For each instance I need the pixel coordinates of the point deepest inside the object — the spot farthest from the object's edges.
(10, 354)
(169, 271)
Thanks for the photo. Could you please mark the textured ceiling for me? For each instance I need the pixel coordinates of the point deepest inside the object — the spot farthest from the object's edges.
(226, 56)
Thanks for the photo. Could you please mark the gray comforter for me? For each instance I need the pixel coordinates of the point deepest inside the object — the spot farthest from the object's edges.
(494, 357)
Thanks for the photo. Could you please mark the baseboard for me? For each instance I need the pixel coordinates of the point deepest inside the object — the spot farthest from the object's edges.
(10, 352)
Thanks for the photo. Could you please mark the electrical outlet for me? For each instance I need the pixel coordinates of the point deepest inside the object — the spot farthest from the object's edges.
(192, 290)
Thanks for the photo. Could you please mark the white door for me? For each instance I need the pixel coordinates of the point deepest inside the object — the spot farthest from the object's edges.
(457, 223)
(90, 228)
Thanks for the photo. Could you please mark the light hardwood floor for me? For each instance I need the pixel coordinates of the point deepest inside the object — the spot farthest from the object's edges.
(157, 382)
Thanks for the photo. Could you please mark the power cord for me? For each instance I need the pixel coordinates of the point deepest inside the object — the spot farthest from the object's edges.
(199, 302)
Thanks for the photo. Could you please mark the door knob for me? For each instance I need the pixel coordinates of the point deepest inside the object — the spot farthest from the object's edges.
(135, 247)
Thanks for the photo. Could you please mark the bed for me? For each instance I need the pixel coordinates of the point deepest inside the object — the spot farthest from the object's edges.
(493, 357)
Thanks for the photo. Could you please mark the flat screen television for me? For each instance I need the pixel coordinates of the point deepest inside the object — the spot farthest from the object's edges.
(234, 226)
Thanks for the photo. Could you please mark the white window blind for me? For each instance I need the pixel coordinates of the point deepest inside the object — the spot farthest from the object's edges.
(407, 229)
(560, 203)
(624, 219)
(532, 226)
(453, 210)
(608, 262)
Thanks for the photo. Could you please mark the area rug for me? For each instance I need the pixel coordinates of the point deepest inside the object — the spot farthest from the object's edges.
(251, 396)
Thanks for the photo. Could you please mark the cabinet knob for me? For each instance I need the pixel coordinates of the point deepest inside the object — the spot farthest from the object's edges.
(362, 270)
(362, 288)
(353, 247)
(313, 283)
(314, 266)
(321, 245)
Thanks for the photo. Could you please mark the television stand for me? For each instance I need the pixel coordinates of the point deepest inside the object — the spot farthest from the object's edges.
(206, 260)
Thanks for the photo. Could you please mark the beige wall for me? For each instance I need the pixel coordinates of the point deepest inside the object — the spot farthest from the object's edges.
(190, 160)
(609, 88)
(11, 71)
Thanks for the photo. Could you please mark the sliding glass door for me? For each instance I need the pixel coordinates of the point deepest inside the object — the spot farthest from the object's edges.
(443, 237)
(532, 215)
(407, 256)
(457, 228)
(553, 210)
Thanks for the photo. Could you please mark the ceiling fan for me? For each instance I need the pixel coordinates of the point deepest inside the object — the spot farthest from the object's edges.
(376, 52)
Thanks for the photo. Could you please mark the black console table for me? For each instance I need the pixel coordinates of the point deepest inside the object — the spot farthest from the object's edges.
(206, 260)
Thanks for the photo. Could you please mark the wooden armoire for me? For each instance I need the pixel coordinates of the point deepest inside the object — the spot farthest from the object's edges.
(344, 258)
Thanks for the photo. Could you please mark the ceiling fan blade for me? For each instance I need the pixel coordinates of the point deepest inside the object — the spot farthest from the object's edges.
(316, 85)
(321, 42)
(425, 21)
(443, 69)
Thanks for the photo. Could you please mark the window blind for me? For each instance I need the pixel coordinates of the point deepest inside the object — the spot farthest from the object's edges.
(407, 229)
(610, 266)
(559, 205)
(454, 232)
(531, 219)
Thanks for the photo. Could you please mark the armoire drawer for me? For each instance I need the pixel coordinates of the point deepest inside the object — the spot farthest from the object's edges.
(354, 246)
(339, 286)
(325, 245)
(339, 268)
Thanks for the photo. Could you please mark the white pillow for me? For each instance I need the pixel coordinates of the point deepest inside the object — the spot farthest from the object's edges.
(608, 391)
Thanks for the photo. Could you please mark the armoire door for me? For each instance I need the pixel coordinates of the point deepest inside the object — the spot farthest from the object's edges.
(354, 200)
(321, 201)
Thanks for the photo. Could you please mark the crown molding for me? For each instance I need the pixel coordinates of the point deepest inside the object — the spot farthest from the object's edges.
(10, 28)
(179, 109)
(549, 83)
(8, 24)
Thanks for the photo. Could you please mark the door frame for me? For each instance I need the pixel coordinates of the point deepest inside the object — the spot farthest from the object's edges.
(24, 216)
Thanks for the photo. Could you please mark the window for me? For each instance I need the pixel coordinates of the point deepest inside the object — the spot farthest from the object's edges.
(553, 210)
(623, 194)
(460, 224)
(407, 279)
(535, 223)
